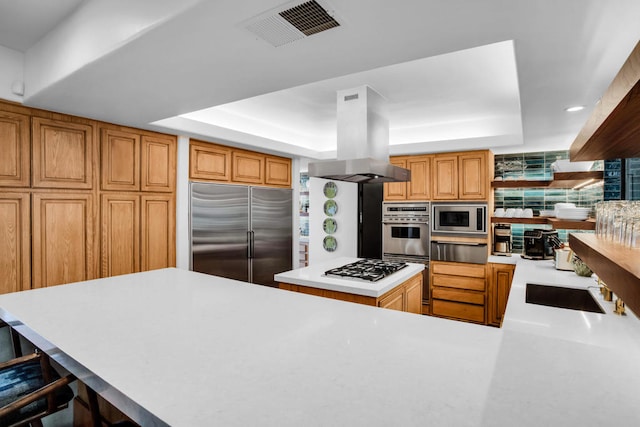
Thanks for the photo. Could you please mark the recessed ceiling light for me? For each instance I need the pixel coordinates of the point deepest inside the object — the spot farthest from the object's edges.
(574, 108)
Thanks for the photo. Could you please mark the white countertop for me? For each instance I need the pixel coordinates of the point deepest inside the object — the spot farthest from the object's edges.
(313, 276)
(193, 349)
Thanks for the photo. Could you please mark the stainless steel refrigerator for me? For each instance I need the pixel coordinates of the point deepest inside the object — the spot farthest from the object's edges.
(241, 232)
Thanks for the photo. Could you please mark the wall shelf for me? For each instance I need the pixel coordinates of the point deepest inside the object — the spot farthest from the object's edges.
(555, 223)
(560, 180)
(615, 264)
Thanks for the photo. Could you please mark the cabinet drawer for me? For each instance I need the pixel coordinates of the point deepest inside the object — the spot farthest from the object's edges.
(459, 269)
(459, 282)
(458, 310)
(459, 296)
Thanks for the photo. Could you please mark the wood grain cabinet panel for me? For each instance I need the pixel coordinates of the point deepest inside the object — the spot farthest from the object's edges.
(63, 154)
(158, 225)
(458, 291)
(413, 295)
(120, 226)
(474, 183)
(120, 160)
(158, 163)
(419, 188)
(278, 171)
(445, 177)
(63, 238)
(396, 190)
(15, 152)
(15, 248)
(209, 162)
(393, 301)
(247, 167)
(500, 278)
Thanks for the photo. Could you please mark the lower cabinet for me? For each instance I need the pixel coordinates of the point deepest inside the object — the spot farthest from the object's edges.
(15, 242)
(459, 291)
(500, 277)
(407, 296)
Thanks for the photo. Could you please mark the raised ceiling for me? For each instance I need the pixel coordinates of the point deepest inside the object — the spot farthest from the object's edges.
(152, 62)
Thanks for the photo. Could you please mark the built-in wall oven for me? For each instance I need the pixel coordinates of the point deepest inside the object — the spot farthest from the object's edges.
(406, 236)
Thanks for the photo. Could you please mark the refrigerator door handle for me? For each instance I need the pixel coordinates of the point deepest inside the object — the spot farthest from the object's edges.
(250, 239)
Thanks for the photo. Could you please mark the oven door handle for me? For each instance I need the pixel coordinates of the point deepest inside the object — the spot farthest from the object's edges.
(438, 242)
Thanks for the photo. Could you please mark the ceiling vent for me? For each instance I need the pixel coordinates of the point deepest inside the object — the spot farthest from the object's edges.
(290, 23)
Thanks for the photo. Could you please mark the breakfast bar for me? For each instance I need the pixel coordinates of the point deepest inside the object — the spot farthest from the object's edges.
(174, 347)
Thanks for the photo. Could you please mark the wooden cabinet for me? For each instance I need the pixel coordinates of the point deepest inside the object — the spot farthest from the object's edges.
(458, 291)
(462, 176)
(15, 140)
(217, 163)
(15, 247)
(396, 190)
(63, 154)
(137, 233)
(407, 296)
(131, 161)
(63, 238)
(209, 162)
(499, 281)
(419, 188)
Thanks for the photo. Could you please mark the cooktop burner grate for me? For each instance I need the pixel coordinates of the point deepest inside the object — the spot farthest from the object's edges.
(370, 270)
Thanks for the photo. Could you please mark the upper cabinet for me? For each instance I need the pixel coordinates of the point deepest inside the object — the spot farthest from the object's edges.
(613, 129)
(15, 141)
(419, 188)
(462, 176)
(63, 154)
(133, 161)
(213, 162)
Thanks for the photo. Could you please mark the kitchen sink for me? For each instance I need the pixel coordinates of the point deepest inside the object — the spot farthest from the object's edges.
(556, 296)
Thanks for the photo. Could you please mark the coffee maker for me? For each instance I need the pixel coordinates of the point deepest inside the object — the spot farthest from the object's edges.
(502, 241)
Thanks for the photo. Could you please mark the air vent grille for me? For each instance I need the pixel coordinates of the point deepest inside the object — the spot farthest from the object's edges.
(309, 18)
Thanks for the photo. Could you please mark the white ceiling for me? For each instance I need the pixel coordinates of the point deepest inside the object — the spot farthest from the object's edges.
(458, 74)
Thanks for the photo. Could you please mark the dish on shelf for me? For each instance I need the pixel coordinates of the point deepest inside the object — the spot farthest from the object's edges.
(549, 213)
(329, 225)
(330, 207)
(569, 166)
(330, 244)
(577, 214)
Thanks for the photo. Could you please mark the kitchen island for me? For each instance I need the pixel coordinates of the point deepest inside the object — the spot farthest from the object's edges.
(401, 290)
(173, 347)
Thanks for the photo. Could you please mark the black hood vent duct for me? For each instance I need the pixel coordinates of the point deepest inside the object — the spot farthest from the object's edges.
(363, 141)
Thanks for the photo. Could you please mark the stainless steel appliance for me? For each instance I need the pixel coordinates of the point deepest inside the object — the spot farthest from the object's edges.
(540, 244)
(406, 236)
(370, 197)
(462, 219)
(473, 253)
(370, 270)
(502, 239)
(241, 232)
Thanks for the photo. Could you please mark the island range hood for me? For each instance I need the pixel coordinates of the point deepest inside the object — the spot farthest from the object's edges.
(363, 141)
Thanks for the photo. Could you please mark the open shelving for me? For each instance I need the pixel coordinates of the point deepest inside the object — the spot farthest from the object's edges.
(556, 223)
(560, 180)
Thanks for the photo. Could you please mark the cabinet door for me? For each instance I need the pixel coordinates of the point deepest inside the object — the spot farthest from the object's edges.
(120, 224)
(419, 188)
(473, 176)
(15, 248)
(209, 162)
(62, 238)
(247, 167)
(63, 154)
(394, 300)
(158, 163)
(396, 190)
(445, 177)
(499, 288)
(278, 171)
(158, 223)
(15, 139)
(120, 155)
(413, 294)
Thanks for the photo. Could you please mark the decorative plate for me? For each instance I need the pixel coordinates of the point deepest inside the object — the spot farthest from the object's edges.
(330, 190)
(330, 207)
(330, 225)
(330, 243)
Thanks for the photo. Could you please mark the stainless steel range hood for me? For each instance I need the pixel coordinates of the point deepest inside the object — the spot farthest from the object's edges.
(363, 141)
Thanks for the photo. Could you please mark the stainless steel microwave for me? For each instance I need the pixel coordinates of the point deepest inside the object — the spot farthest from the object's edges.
(459, 219)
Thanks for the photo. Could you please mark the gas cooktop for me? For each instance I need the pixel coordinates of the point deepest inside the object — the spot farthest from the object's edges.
(370, 270)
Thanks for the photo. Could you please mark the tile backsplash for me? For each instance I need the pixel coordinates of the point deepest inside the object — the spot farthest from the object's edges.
(537, 166)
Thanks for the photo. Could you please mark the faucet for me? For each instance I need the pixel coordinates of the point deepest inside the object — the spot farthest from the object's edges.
(605, 291)
(619, 307)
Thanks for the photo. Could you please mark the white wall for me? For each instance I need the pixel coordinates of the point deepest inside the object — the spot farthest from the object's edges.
(346, 218)
(182, 205)
(11, 71)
